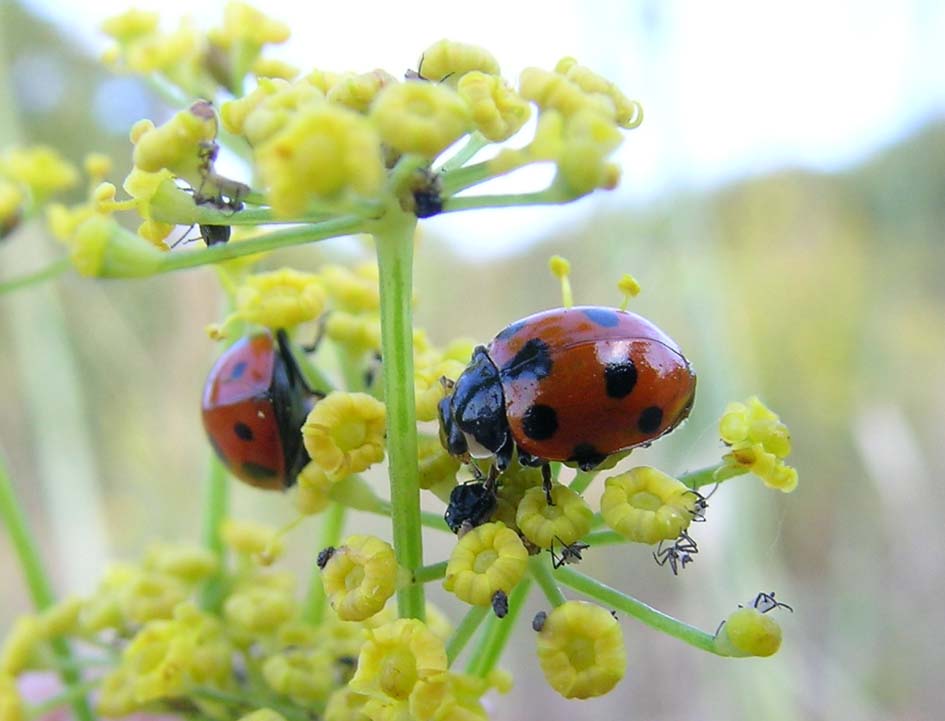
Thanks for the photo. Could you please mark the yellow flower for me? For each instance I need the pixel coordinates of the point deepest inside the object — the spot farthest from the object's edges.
(749, 632)
(359, 333)
(116, 695)
(589, 138)
(304, 675)
(278, 105)
(177, 145)
(448, 58)
(581, 651)
(359, 577)
(313, 490)
(256, 611)
(514, 483)
(497, 111)
(148, 595)
(166, 657)
(629, 113)
(11, 206)
(429, 369)
(252, 539)
(40, 168)
(344, 433)
(100, 247)
(19, 645)
(487, 559)
(346, 705)
(759, 442)
(646, 505)
(419, 117)
(130, 25)
(280, 299)
(188, 562)
(243, 23)
(437, 467)
(61, 618)
(357, 92)
(396, 658)
(272, 68)
(568, 520)
(355, 292)
(11, 704)
(322, 152)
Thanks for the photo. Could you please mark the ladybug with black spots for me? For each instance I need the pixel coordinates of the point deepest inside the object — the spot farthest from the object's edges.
(255, 402)
(568, 384)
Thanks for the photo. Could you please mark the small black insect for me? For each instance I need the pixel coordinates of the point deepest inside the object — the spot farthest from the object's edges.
(765, 602)
(324, 556)
(570, 553)
(677, 555)
(500, 603)
(538, 622)
(427, 200)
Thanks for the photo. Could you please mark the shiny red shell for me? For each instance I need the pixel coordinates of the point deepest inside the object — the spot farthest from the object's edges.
(583, 383)
(239, 415)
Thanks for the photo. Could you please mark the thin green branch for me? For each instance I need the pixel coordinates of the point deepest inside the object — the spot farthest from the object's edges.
(711, 475)
(427, 518)
(37, 580)
(548, 196)
(541, 573)
(72, 694)
(465, 631)
(474, 143)
(604, 538)
(620, 601)
(496, 634)
(394, 241)
(582, 479)
(433, 572)
(54, 269)
(344, 225)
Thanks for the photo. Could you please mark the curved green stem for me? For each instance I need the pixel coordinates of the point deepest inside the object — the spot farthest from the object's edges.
(394, 240)
(549, 196)
(39, 585)
(604, 538)
(647, 614)
(582, 479)
(710, 475)
(497, 632)
(541, 573)
(56, 268)
(333, 523)
(464, 631)
(476, 142)
(344, 225)
(216, 507)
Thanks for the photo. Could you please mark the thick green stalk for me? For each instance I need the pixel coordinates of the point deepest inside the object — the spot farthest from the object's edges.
(333, 523)
(464, 631)
(433, 572)
(427, 518)
(39, 585)
(642, 612)
(541, 573)
(394, 241)
(497, 633)
(582, 479)
(216, 505)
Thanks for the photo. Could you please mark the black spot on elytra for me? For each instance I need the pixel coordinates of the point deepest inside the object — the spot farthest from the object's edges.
(621, 377)
(534, 359)
(243, 431)
(586, 456)
(257, 471)
(650, 419)
(540, 422)
(238, 370)
(510, 330)
(603, 316)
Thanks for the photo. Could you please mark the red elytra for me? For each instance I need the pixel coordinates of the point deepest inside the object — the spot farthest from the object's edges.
(254, 405)
(569, 384)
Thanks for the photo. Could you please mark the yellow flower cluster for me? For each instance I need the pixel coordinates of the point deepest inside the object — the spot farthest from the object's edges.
(759, 442)
(28, 176)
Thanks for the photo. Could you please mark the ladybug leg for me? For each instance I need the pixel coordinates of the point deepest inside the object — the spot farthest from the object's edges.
(546, 482)
(319, 334)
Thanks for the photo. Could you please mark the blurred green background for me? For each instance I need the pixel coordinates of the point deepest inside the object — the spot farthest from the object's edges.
(821, 292)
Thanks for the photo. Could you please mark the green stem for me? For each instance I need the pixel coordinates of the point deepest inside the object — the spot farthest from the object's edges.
(710, 475)
(394, 242)
(462, 178)
(433, 572)
(216, 506)
(496, 635)
(549, 196)
(345, 225)
(57, 267)
(604, 538)
(647, 614)
(476, 142)
(541, 574)
(333, 523)
(464, 631)
(582, 479)
(69, 696)
(234, 699)
(38, 582)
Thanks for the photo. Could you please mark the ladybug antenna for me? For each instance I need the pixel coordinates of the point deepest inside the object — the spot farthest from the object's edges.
(561, 269)
(630, 288)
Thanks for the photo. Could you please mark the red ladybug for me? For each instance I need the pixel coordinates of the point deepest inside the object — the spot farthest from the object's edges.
(254, 405)
(568, 384)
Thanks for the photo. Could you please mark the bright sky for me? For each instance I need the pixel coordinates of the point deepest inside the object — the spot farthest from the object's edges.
(729, 87)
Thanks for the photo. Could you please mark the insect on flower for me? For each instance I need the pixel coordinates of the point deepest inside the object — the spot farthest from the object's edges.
(570, 553)
(765, 602)
(677, 555)
(568, 384)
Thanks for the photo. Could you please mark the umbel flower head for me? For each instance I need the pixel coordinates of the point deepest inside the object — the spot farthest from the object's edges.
(759, 442)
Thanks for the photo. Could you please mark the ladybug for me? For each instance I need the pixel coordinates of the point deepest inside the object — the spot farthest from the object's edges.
(255, 402)
(568, 384)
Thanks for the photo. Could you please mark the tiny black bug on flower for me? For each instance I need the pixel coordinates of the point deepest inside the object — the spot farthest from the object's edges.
(538, 622)
(677, 555)
(570, 553)
(765, 602)
(500, 604)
